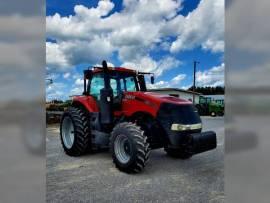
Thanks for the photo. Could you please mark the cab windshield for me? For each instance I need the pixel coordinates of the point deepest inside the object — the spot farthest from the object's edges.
(120, 82)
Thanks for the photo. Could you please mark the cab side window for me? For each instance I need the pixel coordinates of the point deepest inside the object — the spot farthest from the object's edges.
(97, 83)
(113, 83)
(130, 84)
(122, 85)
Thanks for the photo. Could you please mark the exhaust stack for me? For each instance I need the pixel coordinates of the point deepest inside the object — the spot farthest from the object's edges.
(106, 97)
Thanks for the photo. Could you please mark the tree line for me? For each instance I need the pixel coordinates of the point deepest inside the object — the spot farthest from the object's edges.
(207, 90)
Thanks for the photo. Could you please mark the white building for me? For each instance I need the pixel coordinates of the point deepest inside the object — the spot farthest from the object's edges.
(184, 94)
(216, 97)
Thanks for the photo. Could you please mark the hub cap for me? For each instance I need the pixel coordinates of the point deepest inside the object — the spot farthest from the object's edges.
(68, 132)
(122, 149)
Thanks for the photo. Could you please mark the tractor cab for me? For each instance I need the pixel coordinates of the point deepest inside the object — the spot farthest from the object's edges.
(208, 106)
(118, 79)
(108, 85)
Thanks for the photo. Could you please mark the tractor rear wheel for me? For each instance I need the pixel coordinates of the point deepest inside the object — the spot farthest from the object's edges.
(129, 147)
(177, 153)
(75, 132)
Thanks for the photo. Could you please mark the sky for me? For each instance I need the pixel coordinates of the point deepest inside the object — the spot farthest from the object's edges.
(160, 36)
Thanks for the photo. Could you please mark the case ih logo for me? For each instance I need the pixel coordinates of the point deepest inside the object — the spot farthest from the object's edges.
(128, 96)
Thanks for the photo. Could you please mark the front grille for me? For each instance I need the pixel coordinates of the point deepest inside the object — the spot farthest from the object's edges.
(181, 114)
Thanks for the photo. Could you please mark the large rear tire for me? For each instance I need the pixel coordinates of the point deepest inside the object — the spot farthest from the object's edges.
(75, 132)
(129, 147)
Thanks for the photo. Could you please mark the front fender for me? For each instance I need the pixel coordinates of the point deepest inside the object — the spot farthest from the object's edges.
(87, 102)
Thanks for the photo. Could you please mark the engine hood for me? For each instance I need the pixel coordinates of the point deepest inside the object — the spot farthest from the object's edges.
(160, 98)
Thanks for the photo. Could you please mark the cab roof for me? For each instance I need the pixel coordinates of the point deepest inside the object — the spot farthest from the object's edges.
(116, 69)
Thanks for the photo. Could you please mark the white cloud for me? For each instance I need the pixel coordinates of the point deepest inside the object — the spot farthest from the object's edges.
(103, 8)
(213, 45)
(66, 75)
(185, 87)
(211, 77)
(203, 27)
(147, 64)
(157, 85)
(60, 90)
(77, 86)
(153, 9)
(55, 91)
(76, 91)
(66, 54)
(174, 82)
(92, 35)
(55, 57)
(79, 81)
(85, 21)
(177, 79)
(87, 52)
(87, 37)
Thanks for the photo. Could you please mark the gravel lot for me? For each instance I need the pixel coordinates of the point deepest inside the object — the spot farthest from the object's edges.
(93, 177)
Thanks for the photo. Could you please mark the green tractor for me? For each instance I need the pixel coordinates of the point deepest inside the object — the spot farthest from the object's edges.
(207, 106)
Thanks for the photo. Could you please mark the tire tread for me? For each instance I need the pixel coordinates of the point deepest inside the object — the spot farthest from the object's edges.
(81, 130)
(142, 147)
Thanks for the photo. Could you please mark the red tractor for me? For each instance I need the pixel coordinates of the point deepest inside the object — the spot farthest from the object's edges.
(116, 111)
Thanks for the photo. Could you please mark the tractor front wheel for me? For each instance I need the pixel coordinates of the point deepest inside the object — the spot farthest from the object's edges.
(75, 132)
(129, 147)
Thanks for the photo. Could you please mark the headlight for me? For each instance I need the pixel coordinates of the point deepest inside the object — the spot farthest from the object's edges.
(181, 127)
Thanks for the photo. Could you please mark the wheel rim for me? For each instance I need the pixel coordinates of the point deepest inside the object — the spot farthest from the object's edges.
(68, 132)
(122, 149)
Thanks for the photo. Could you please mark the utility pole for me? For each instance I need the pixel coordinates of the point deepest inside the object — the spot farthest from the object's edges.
(194, 79)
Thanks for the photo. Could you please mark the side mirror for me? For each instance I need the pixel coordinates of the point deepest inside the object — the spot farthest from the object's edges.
(152, 79)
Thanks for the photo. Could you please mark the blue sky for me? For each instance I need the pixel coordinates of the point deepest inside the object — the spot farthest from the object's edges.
(159, 36)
